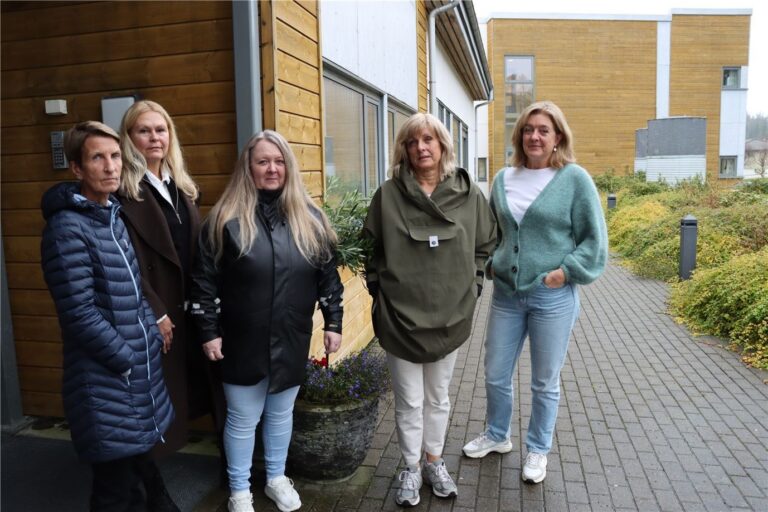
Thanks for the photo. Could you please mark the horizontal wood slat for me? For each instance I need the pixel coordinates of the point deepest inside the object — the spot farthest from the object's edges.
(32, 302)
(62, 19)
(184, 99)
(296, 44)
(298, 101)
(39, 353)
(117, 45)
(25, 275)
(213, 66)
(36, 328)
(294, 15)
(299, 129)
(42, 404)
(290, 69)
(22, 249)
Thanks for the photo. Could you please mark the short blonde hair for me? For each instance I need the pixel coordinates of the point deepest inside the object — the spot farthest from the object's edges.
(79, 133)
(564, 154)
(134, 164)
(415, 124)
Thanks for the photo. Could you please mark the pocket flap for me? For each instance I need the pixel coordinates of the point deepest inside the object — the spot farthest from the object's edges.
(422, 233)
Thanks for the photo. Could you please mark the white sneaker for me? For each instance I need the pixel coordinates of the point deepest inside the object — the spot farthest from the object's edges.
(483, 445)
(241, 503)
(535, 468)
(281, 491)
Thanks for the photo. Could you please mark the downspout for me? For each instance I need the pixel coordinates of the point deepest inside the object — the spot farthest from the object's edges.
(477, 152)
(432, 52)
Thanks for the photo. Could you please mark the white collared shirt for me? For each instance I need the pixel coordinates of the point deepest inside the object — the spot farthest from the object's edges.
(161, 185)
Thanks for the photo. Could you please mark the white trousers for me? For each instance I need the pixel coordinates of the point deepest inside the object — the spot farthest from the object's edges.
(422, 405)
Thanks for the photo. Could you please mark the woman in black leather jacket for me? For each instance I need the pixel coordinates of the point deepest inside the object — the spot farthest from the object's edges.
(265, 258)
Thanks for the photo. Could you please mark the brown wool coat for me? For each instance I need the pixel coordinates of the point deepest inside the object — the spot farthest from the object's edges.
(163, 282)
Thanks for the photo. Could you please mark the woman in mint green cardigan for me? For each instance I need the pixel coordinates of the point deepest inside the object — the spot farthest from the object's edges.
(551, 237)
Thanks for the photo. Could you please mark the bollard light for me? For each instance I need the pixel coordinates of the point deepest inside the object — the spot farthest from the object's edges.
(611, 201)
(688, 234)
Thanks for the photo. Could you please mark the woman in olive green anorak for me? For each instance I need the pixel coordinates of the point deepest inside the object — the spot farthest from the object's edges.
(432, 231)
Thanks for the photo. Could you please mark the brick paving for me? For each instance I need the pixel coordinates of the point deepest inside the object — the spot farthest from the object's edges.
(650, 418)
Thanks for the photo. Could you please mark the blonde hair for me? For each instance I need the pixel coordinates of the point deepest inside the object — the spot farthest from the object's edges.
(564, 154)
(411, 128)
(310, 229)
(134, 164)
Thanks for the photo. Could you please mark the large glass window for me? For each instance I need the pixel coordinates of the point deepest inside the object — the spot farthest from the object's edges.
(518, 94)
(352, 120)
(459, 134)
(396, 120)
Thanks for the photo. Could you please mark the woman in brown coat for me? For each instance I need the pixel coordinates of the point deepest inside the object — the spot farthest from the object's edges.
(159, 208)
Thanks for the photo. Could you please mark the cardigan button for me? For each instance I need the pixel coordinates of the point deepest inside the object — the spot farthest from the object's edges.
(514, 269)
(517, 249)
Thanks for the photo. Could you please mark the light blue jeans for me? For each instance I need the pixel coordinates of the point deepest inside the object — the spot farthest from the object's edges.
(546, 316)
(245, 405)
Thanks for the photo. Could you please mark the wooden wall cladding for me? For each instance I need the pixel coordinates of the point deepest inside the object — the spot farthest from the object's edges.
(585, 68)
(176, 53)
(292, 82)
(701, 47)
(421, 49)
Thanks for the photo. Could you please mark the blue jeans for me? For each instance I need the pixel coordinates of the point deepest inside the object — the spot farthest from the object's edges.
(245, 405)
(546, 316)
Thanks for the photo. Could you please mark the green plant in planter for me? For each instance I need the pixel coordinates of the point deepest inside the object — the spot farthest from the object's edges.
(346, 211)
(360, 376)
(335, 415)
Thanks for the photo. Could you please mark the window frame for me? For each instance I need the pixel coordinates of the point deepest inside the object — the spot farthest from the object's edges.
(728, 158)
(448, 118)
(511, 118)
(736, 72)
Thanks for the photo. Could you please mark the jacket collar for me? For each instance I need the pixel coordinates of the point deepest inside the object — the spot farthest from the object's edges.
(449, 194)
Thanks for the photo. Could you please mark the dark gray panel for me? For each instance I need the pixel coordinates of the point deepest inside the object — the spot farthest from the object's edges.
(677, 136)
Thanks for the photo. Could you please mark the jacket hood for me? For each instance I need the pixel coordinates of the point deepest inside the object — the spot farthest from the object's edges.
(66, 196)
(449, 194)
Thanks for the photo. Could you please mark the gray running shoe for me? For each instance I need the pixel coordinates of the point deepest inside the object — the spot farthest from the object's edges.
(410, 483)
(437, 476)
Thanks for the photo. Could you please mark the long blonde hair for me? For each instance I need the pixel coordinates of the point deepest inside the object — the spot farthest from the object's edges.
(564, 151)
(411, 128)
(134, 164)
(310, 229)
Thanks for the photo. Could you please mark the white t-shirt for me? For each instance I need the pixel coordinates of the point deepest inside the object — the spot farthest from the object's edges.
(522, 186)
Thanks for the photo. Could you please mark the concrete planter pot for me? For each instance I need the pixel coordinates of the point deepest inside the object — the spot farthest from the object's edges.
(331, 441)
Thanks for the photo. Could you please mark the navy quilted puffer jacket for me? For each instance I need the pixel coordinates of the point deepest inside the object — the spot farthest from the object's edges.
(114, 395)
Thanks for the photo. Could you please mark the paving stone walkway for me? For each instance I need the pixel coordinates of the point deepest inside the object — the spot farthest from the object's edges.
(651, 418)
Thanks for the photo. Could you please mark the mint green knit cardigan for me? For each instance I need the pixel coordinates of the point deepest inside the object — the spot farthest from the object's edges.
(564, 228)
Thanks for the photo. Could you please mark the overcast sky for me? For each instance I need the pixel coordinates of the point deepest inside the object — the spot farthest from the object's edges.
(757, 96)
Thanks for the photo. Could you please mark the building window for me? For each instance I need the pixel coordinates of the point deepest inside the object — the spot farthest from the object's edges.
(459, 134)
(731, 78)
(518, 94)
(396, 118)
(353, 141)
(727, 166)
(482, 169)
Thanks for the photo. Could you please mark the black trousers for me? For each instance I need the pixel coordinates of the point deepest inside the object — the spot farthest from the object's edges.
(117, 484)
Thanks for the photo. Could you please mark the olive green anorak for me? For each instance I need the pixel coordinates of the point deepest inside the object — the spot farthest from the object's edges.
(427, 263)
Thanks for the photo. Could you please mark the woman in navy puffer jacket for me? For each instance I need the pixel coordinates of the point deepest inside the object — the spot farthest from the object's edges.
(115, 399)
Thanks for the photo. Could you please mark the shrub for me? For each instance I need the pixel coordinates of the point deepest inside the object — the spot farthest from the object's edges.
(729, 301)
(346, 212)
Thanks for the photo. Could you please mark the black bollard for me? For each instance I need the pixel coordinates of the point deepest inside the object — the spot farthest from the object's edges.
(688, 233)
(611, 201)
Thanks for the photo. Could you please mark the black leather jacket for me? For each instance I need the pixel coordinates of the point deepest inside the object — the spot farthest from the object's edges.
(267, 299)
